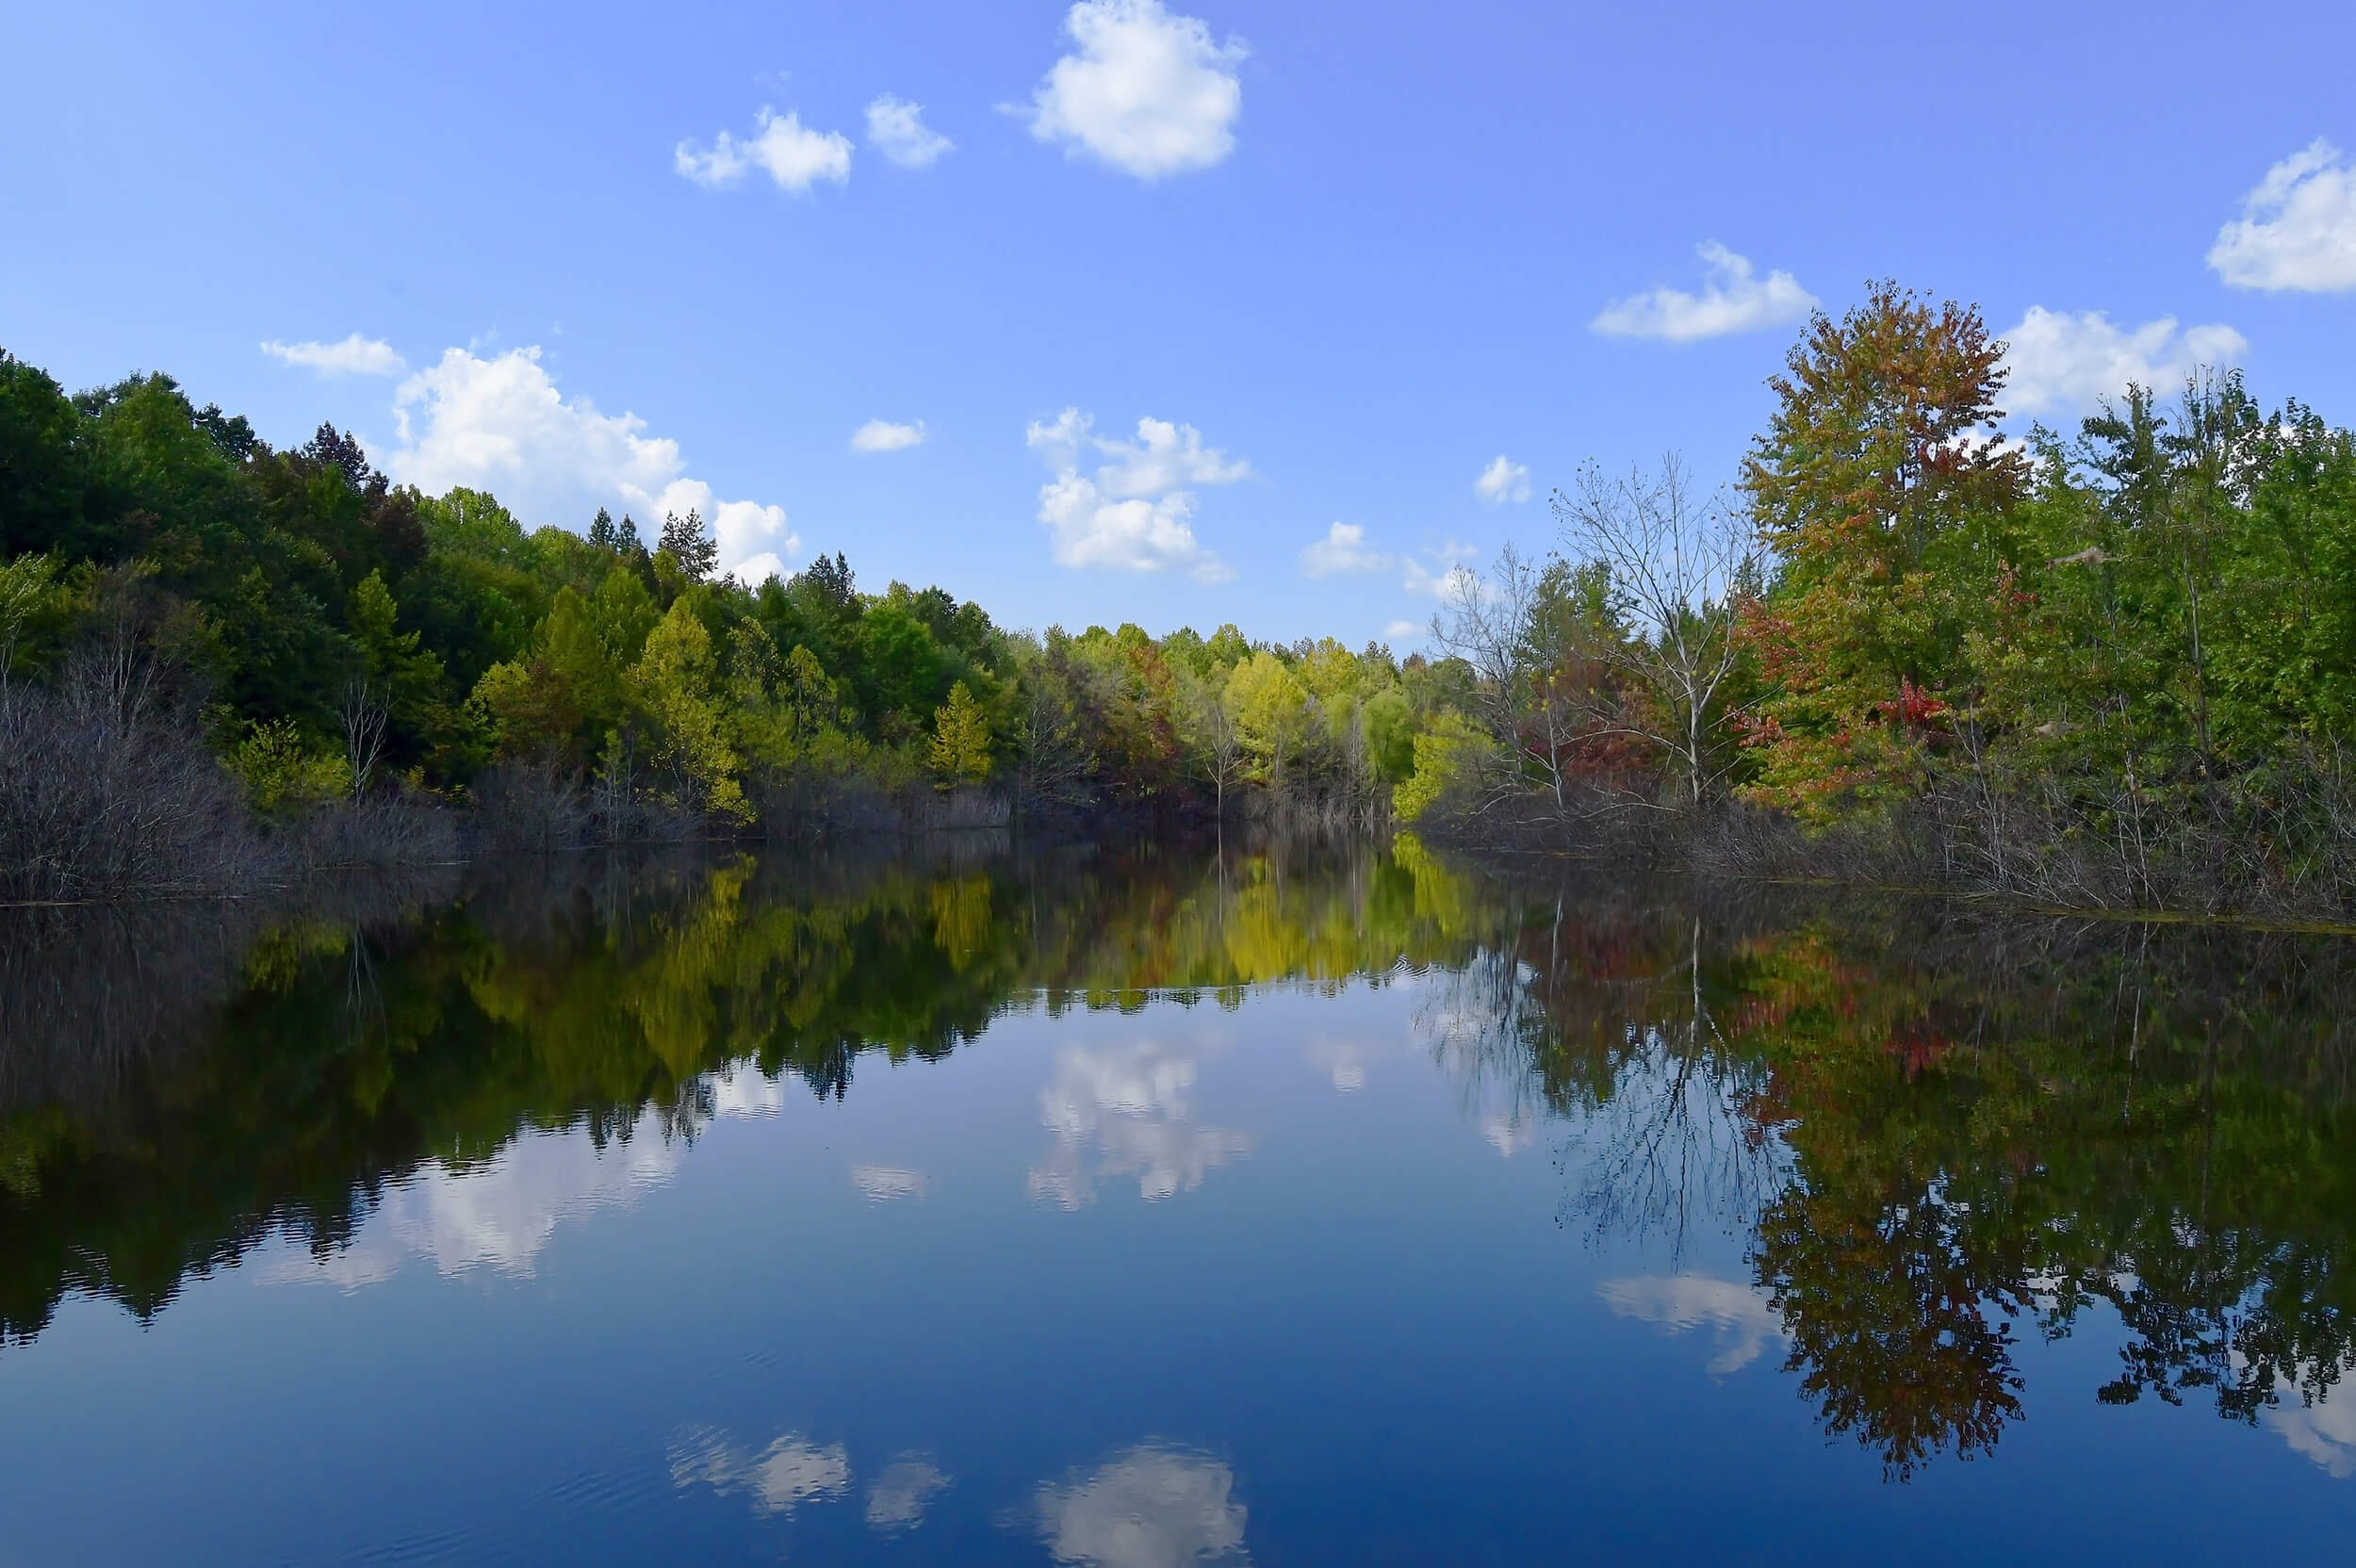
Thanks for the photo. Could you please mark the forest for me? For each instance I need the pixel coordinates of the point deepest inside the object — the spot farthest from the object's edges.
(2109, 668)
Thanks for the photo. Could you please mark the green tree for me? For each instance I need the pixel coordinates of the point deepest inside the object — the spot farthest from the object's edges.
(959, 752)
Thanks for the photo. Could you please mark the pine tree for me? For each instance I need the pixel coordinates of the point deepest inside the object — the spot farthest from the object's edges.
(697, 555)
(603, 535)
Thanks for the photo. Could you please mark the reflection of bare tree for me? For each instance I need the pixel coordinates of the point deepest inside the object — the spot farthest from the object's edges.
(1603, 1018)
(1679, 1138)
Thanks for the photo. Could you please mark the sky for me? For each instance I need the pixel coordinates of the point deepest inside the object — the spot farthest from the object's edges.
(1186, 311)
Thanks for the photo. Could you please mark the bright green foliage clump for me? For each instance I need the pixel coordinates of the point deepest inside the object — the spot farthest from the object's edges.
(959, 752)
(281, 774)
(1448, 758)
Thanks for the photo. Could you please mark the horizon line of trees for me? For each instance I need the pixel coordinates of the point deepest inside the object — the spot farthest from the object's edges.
(2116, 667)
(295, 640)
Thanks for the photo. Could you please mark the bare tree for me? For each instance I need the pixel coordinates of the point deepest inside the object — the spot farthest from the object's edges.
(1488, 624)
(365, 712)
(1214, 745)
(1052, 759)
(1680, 563)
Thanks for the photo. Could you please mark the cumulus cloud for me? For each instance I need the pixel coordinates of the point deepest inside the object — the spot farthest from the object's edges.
(897, 130)
(1745, 1321)
(1344, 549)
(1502, 482)
(882, 435)
(1147, 1508)
(1733, 298)
(1399, 630)
(2297, 228)
(502, 425)
(1135, 511)
(2061, 363)
(1145, 91)
(354, 356)
(788, 151)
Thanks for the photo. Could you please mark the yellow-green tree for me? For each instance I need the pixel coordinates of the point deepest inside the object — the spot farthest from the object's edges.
(673, 685)
(1271, 713)
(959, 753)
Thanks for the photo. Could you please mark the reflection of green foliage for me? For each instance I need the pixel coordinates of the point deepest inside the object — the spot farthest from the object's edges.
(1972, 1151)
(343, 1064)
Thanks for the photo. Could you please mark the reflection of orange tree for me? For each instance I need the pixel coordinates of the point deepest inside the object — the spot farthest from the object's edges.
(1972, 1148)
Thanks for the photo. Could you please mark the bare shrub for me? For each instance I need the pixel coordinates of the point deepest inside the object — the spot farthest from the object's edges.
(107, 790)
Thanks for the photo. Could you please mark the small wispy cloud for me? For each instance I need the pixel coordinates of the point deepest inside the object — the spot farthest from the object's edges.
(1502, 482)
(354, 356)
(789, 152)
(1733, 298)
(882, 435)
(896, 129)
(1344, 549)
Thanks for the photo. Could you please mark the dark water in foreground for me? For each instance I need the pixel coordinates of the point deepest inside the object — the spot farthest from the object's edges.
(1299, 1205)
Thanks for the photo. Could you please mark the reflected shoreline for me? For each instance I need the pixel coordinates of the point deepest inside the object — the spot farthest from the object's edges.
(1938, 1132)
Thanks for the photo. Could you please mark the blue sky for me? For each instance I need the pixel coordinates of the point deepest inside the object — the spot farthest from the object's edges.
(1343, 258)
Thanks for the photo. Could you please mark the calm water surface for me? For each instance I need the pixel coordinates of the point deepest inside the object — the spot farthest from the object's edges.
(1291, 1206)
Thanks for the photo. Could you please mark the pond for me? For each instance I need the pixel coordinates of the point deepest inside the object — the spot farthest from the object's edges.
(1291, 1204)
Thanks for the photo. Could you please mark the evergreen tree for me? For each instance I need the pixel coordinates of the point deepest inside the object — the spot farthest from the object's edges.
(696, 553)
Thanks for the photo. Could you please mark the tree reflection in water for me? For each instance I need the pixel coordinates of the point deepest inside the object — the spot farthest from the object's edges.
(1940, 1134)
(1940, 1131)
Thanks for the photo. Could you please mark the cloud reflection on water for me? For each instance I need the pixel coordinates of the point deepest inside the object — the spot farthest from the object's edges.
(789, 1471)
(1132, 1105)
(1149, 1507)
(1743, 1319)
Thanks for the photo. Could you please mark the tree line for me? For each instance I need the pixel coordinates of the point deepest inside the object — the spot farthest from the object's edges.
(212, 650)
(2114, 666)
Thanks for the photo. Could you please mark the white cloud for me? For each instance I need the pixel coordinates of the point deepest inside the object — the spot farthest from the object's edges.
(897, 130)
(790, 152)
(789, 1471)
(1343, 549)
(2297, 228)
(1149, 1508)
(1446, 575)
(1145, 91)
(501, 425)
(1732, 300)
(1135, 511)
(1502, 482)
(1743, 1319)
(1399, 630)
(882, 435)
(2059, 362)
(354, 356)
